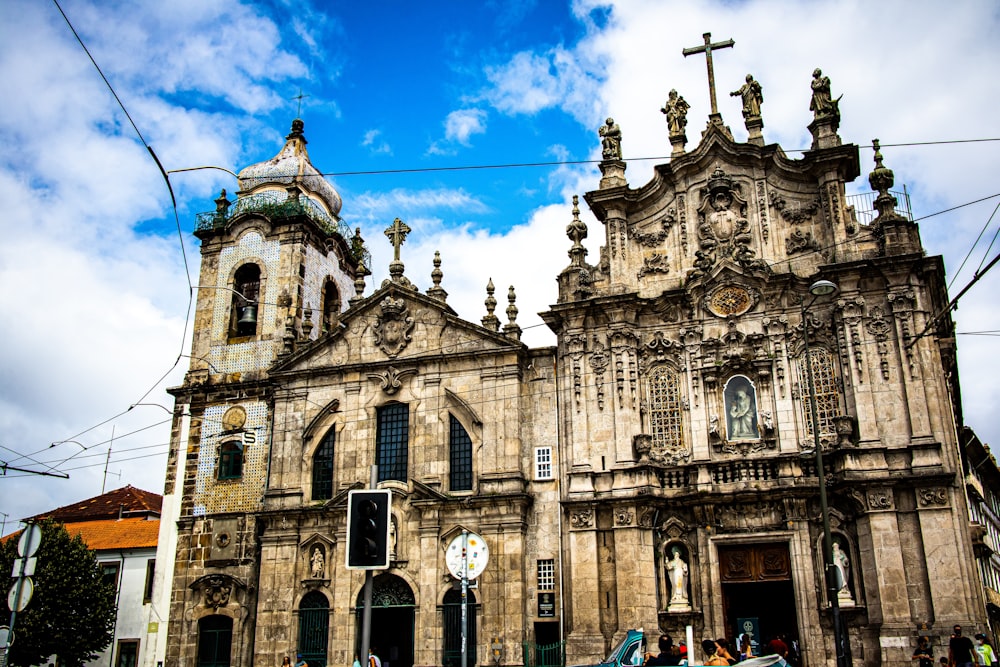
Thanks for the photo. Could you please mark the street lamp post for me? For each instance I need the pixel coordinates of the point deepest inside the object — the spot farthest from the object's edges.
(841, 643)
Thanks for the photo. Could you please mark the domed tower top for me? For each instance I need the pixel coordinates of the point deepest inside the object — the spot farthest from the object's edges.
(291, 166)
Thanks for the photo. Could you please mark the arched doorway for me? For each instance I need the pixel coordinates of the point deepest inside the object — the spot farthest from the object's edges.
(215, 641)
(452, 617)
(314, 624)
(393, 605)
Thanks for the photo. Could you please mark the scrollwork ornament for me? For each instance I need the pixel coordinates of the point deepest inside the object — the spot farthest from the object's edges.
(879, 499)
(624, 517)
(935, 496)
(582, 518)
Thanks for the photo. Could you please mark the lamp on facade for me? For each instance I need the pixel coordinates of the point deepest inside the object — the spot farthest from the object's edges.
(841, 643)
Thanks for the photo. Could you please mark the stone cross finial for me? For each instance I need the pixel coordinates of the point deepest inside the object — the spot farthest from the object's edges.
(706, 48)
(397, 232)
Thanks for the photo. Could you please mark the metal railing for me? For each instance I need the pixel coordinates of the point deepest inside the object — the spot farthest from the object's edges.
(276, 206)
(544, 655)
(864, 205)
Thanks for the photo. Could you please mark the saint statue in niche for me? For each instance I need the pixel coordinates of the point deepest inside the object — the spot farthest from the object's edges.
(741, 409)
(677, 573)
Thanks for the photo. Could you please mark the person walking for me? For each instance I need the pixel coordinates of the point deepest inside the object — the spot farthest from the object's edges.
(961, 652)
(984, 652)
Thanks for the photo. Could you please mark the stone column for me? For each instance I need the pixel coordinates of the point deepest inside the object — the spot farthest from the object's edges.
(636, 570)
(584, 641)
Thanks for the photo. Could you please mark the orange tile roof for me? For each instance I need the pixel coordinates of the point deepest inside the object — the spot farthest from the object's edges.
(134, 533)
(125, 501)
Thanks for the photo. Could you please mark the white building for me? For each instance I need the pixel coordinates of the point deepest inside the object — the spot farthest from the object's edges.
(122, 528)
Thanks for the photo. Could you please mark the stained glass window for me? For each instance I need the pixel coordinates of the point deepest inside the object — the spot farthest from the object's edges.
(393, 441)
(665, 410)
(461, 457)
(824, 380)
(322, 472)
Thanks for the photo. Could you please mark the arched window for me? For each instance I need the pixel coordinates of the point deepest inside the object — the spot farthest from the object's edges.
(314, 624)
(825, 383)
(392, 441)
(331, 305)
(665, 408)
(246, 294)
(215, 641)
(322, 469)
(460, 447)
(231, 460)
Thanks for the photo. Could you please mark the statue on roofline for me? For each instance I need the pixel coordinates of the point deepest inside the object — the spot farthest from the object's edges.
(676, 108)
(822, 103)
(611, 140)
(752, 95)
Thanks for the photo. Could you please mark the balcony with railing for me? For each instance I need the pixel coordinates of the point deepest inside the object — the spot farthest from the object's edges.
(276, 206)
(864, 205)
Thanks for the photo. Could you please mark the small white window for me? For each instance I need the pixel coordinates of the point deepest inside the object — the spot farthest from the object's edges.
(543, 463)
(546, 575)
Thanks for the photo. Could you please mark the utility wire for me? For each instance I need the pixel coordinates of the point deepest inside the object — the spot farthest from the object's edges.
(173, 201)
(165, 174)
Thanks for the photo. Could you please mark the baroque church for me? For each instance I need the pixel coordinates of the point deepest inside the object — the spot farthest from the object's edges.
(656, 469)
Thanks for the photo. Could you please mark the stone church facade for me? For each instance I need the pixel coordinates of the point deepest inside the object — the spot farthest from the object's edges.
(652, 470)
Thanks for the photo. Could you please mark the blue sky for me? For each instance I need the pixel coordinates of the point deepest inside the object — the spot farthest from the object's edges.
(93, 278)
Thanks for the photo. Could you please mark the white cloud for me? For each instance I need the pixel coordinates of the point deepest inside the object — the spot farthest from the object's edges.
(373, 140)
(463, 123)
(558, 78)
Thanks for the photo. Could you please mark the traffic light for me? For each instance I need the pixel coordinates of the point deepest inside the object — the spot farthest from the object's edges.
(368, 517)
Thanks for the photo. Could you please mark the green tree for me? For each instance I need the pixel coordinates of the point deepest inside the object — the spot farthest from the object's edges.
(72, 612)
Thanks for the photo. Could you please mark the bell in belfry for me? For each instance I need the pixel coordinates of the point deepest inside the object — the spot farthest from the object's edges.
(247, 324)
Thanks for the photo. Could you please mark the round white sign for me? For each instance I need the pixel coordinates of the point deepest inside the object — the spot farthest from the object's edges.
(477, 555)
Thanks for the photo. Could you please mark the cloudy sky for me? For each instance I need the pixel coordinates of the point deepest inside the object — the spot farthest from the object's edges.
(93, 282)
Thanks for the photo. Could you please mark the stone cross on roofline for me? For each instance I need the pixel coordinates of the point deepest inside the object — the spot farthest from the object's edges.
(397, 232)
(706, 48)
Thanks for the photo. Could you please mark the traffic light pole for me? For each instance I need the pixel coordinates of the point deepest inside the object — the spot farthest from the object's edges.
(366, 615)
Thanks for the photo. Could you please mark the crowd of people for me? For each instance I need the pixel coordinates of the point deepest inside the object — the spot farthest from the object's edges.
(717, 651)
(962, 651)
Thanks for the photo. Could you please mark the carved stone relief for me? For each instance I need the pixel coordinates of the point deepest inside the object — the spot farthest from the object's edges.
(657, 262)
(795, 212)
(879, 328)
(656, 239)
(731, 299)
(216, 590)
(624, 517)
(599, 363)
(903, 304)
(762, 211)
(723, 228)
(582, 518)
(393, 326)
(932, 497)
(880, 499)
(800, 241)
(392, 378)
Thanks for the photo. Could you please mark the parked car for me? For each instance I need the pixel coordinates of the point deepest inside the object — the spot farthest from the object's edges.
(628, 653)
